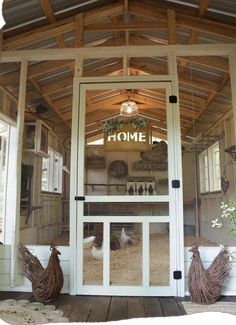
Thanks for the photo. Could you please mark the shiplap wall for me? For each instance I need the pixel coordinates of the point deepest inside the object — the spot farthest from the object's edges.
(43, 253)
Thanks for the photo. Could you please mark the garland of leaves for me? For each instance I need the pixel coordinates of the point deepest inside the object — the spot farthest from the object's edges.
(112, 125)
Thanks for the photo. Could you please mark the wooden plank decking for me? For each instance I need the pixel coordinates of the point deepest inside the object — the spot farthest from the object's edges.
(99, 308)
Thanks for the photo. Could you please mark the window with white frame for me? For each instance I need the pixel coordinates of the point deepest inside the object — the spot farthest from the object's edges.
(204, 172)
(4, 139)
(214, 167)
(209, 169)
(52, 172)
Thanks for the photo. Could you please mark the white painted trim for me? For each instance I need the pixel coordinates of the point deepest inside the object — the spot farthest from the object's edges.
(152, 82)
(11, 187)
(177, 164)
(20, 130)
(116, 51)
(127, 198)
(73, 181)
(123, 219)
(127, 290)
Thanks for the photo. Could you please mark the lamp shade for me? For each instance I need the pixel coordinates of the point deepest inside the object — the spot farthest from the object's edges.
(128, 108)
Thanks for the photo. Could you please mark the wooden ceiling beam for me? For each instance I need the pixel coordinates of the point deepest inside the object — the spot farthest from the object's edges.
(203, 5)
(79, 30)
(63, 26)
(214, 62)
(125, 27)
(35, 70)
(171, 19)
(184, 20)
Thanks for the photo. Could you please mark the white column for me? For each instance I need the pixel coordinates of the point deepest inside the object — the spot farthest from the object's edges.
(20, 130)
(177, 161)
(74, 180)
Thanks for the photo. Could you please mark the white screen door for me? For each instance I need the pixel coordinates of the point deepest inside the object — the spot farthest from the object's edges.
(125, 197)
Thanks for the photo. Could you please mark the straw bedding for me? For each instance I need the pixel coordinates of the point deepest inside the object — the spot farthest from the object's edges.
(126, 263)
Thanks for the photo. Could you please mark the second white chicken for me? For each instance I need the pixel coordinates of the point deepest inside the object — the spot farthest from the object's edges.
(97, 253)
(125, 239)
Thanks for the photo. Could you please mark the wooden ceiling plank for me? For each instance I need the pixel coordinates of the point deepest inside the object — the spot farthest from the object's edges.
(171, 19)
(39, 34)
(35, 70)
(48, 100)
(215, 62)
(184, 20)
(206, 26)
(63, 26)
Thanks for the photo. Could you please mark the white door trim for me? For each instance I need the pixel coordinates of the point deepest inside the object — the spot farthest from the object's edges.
(76, 245)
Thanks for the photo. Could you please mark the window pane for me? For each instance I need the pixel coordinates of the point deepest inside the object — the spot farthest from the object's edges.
(57, 173)
(126, 254)
(93, 254)
(45, 174)
(159, 254)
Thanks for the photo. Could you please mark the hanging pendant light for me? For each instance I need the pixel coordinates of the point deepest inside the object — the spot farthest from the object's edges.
(128, 107)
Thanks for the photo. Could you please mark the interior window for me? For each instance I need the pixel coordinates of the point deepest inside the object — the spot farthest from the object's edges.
(52, 172)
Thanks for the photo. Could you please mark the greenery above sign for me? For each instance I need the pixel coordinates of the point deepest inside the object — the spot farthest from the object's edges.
(116, 125)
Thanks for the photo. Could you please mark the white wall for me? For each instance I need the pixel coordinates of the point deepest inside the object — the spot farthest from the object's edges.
(43, 253)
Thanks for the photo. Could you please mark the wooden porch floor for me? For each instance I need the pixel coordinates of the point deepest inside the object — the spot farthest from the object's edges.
(99, 309)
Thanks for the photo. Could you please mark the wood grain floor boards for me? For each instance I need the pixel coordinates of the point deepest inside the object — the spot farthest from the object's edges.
(99, 307)
(152, 307)
(135, 307)
(170, 307)
(106, 308)
(118, 309)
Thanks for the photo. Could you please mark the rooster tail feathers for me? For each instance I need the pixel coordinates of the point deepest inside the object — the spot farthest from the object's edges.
(30, 262)
(221, 266)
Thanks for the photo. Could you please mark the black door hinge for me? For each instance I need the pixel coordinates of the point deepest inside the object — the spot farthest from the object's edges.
(177, 275)
(175, 183)
(173, 99)
(79, 198)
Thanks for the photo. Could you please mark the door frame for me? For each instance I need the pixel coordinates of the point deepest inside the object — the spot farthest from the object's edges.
(175, 172)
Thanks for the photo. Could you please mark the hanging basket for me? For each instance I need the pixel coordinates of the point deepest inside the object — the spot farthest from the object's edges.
(118, 169)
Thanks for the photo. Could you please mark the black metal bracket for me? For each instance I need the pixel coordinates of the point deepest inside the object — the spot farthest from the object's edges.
(79, 198)
(175, 183)
(177, 275)
(173, 99)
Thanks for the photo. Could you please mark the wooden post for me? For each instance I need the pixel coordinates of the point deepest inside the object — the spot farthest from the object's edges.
(171, 19)
(79, 30)
(20, 130)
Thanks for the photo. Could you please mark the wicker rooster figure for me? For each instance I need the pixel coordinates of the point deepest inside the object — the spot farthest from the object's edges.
(205, 284)
(46, 283)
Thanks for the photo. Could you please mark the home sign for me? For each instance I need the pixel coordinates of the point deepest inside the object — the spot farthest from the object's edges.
(127, 139)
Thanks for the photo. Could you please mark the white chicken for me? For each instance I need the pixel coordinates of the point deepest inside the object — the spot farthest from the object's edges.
(125, 239)
(97, 253)
(87, 242)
